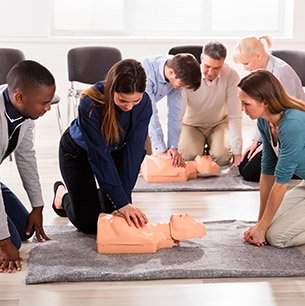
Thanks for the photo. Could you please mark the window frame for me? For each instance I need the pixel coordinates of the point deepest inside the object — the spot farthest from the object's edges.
(285, 26)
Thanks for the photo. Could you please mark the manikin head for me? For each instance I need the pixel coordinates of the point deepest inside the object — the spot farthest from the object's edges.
(184, 226)
(206, 165)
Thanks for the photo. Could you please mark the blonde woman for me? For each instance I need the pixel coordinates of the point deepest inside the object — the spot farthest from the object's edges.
(253, 53)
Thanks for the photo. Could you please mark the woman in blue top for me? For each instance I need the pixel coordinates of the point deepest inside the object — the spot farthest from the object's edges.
(281, 122)
(105, 144)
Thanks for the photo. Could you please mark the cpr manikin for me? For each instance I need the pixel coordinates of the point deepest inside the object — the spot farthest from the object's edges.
(159, 169)
(156, 169)
(114, 235)
(206, 166)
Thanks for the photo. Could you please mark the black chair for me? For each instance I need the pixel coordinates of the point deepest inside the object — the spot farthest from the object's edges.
(195, 50)
(88, 65)
(295, 58)
(8, 59)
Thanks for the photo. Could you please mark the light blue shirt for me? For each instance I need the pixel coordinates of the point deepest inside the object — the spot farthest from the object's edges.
(291, 139)
(287, 76)
(157, 88)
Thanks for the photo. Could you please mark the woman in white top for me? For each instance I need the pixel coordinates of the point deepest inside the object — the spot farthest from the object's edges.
(253, 53)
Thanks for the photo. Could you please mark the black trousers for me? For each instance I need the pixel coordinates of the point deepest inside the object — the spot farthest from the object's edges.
(84, 202)
(250, 170)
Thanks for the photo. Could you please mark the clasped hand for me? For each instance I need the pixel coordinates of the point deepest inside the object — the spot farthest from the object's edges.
(255, 235)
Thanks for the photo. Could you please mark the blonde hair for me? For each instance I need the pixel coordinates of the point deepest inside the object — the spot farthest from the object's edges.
(249, 46)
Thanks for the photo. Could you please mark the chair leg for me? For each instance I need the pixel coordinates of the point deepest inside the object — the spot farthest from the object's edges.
(72, 103)
(75, 106)
(59, 120)
(69, 105)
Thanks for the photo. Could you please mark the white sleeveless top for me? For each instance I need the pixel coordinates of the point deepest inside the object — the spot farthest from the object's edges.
(276, 148)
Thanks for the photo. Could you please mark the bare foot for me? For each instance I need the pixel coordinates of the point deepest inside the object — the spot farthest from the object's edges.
(60, 192)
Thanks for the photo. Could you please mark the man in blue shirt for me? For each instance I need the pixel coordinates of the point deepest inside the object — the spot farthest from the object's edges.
(167, 76)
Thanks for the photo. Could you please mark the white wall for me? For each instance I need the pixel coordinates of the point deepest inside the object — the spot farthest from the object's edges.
(29, 31)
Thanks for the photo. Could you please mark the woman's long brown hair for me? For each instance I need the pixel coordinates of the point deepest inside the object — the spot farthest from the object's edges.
(263, 86)
(126, 76)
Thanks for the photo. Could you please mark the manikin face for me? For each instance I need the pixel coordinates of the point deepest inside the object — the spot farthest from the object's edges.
(126, 102)
(254, 109)
(36, 103)
(211, 67)
(184, 226)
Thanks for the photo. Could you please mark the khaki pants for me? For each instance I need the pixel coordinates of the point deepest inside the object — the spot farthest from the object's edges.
(193, 140)
(288, 225)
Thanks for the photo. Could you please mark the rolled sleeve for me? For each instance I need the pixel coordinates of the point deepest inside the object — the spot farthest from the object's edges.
(291, 150)
(155, 127)
(175, 115)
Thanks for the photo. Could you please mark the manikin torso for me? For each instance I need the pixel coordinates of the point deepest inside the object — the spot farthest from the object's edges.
(158, 169)
(114, 235)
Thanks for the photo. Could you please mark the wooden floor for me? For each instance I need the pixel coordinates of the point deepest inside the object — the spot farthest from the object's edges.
(158, 206)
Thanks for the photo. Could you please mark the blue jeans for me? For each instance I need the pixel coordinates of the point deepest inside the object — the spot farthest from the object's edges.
(17, 216)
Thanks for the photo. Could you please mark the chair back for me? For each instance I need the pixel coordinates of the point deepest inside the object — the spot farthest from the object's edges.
(8, 59)
(192, 49)
(295, 58)
(91, 64)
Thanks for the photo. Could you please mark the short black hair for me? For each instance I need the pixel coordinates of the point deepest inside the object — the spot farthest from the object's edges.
(27, 75)
(215, 50)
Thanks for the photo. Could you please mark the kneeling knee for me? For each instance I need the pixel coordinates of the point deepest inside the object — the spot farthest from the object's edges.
(188, 155)
(276, 239)
(222, 160)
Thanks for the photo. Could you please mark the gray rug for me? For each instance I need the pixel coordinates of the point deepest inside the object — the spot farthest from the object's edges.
(71, 257)
(228, 180)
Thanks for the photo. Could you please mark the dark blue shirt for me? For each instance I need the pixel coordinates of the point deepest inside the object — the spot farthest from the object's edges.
(116, 182)
(14, 121)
